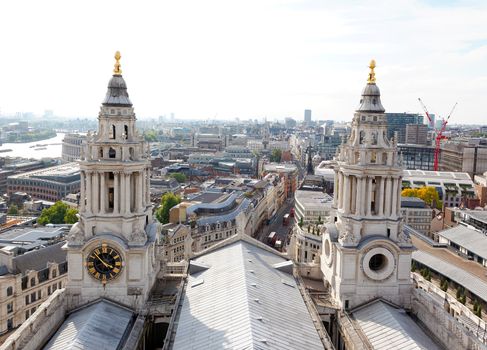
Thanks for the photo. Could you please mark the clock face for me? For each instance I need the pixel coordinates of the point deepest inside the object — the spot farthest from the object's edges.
(104, 263)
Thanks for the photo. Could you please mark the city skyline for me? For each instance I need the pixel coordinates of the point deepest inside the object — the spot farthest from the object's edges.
(246, 60)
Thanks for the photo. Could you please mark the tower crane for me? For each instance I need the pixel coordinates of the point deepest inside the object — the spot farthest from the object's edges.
(438, 132)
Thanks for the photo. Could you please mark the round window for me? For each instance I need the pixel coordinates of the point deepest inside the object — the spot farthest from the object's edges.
(377, 262)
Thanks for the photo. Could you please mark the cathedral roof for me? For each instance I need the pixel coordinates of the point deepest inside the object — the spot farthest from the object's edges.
(101, 325)
(388, 327)
(370, 101)
(117, 94)
(235, 298)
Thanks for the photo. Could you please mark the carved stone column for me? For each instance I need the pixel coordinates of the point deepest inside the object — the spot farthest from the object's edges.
(346, 194)
(128, 199)
(387, 208)
(89, 191)
(96, 192)
(369, 196)
(353, 193)
(116, 192)
(103, 193)
(82, 191)
(394, 197)
(138, 190)
(123, 197)
(381, 196)
(335, 190)
(359, 203)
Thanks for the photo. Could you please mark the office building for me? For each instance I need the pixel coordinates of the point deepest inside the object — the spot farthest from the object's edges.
(396, 122)
(307, 116)
(417, 134)
(50, 184)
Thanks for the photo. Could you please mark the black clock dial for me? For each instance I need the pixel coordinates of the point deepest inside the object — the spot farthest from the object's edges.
(104, 263)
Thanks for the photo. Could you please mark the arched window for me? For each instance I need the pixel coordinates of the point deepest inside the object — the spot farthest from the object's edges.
(362, 136)
(10, 291)
(374, 138)
(32, 282)
(112, 132)
(126, 132)
(101, 152)
(131, 152)
(112, 153)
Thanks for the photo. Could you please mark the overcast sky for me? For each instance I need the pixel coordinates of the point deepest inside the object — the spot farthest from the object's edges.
(247, 59)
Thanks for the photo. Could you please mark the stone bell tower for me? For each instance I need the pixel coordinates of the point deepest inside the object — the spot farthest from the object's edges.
(111, 248)
(365, 252)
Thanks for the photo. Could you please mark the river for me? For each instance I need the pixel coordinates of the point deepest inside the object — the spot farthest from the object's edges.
(49, 148)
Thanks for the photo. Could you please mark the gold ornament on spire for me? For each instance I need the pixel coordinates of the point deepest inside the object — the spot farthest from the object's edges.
(371, 79)
(117, 69)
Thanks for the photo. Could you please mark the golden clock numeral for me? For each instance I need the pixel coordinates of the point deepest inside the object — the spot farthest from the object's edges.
(118, 263)
(92, 270)
(104, 250)
(97, 275)
(104, 277)
(91, 264)
(111, 252)
(116, 270)
(116, 257)
(112, 275)
(97, 251)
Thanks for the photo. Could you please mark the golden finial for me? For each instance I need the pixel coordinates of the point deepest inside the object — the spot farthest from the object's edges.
(371, 79)
(117, 69)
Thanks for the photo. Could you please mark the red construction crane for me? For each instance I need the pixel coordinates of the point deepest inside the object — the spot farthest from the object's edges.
(438, 132)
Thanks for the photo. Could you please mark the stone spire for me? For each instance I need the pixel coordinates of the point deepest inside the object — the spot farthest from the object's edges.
(115, 209)
(367, 230)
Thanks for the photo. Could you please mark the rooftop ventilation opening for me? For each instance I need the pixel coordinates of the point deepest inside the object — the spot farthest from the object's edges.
(287, 282)
(197, 282)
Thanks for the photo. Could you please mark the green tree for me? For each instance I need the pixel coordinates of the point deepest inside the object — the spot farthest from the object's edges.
(70, 216)
(168, 200)
(150, 135)
(59, 213)
(276, 155)
(180, 177)
(301, 222)
(13, 210)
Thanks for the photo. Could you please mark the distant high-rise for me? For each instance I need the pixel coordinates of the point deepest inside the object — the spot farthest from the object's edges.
(433, 120)
(398, 121)
(307, 116)
(417, 134)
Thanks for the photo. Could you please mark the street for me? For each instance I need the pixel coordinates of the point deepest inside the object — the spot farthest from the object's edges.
(276, 224)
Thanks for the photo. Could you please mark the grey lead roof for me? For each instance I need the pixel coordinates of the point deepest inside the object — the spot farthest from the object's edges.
(242, 301)
(37, 259)
(454, 273)
(470, 239)
(387, 328)
(370, 101)
(117, 94)
(100, 326)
